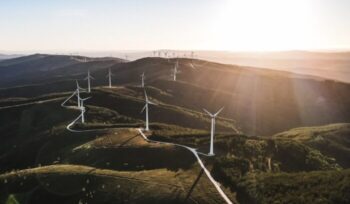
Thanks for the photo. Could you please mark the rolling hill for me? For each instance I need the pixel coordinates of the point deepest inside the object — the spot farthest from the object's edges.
(107, 160)
(263, 102)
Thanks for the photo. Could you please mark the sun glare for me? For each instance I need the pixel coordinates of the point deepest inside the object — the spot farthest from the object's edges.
(255, 25)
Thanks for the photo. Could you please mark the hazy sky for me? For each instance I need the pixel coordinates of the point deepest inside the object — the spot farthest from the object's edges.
(237, 25)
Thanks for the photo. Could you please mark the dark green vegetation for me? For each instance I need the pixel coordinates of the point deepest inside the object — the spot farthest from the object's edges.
(42, 162)
(310, 187)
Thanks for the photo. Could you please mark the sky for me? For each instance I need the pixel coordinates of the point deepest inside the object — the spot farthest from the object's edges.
(232, 25)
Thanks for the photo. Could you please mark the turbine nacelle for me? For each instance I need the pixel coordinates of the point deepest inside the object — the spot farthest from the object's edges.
(89, 76)
(82, 101)
(215, 114)
(78, 87)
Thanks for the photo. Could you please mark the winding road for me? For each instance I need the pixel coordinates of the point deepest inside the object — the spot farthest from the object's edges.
(194, 151)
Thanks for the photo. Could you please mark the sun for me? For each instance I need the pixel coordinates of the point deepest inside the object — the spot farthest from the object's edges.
(255, 25)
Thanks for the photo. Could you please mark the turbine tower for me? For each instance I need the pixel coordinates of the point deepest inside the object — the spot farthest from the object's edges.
(146, 108)
(175, 70)
(213, 116)
(82, 108)
(78, 93)
(143, 80)
(88, 78)
(110, 77)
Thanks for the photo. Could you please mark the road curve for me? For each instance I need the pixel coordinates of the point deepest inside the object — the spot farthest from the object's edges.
(194, 151)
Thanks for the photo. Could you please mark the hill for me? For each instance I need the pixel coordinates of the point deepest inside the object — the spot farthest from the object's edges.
(332, 140)
(108, 160)
(41, 67)
(263, 102)
(8, 56)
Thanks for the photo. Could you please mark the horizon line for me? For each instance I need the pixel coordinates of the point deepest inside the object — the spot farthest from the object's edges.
(124, 51)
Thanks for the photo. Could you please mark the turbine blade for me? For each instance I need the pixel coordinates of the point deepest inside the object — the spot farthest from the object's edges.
(143, 109)
(192, 66)
(146, 95)
(217, 113)
(84, 99)
(211, 115)
(149, 102)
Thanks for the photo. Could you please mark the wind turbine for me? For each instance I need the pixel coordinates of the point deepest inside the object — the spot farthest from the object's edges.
(213, 116)
(175, 70)
(78, 93)
(110, 77)
(83, 109)
(143, 79)
(88, 78)
(146, 108)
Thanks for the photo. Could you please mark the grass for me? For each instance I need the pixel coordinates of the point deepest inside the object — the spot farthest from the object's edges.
(331, 140)
(311, 187)
(151, 186)
(126, 186)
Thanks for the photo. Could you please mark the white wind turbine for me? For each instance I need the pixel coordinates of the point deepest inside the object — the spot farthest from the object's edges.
(78, 93)
(175, 70)
(88, 78)
(109, 75)
(146, 108)
(143, 79)
(213, 116)
(83, 109)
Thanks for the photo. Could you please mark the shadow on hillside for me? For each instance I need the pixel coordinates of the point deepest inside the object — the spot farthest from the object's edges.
(194, 185)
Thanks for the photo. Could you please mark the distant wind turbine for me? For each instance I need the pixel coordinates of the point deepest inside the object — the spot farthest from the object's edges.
(146, 108)
(78, 93)
(83, 109)
(143, 79)
(88, 78)
(175, 70)
(213, 116)
(110, 77)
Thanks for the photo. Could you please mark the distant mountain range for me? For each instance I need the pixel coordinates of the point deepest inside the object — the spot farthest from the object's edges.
(262, 101)
(330, 65)
(3, 56)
